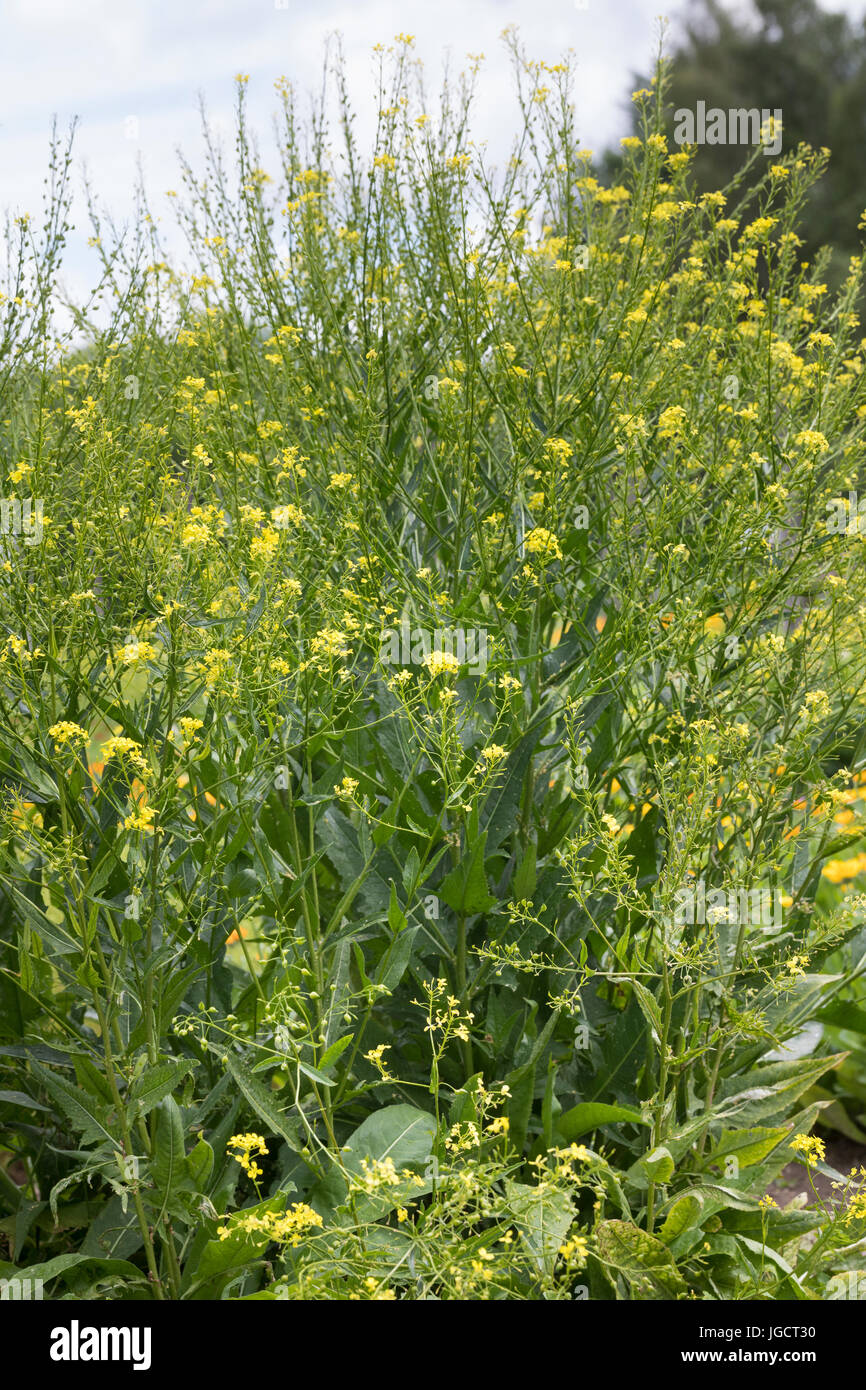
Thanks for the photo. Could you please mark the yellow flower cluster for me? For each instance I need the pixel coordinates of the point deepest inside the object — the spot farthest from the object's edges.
(134, 652)
(810, 1146)
(66, 732)
(288, 1229)
(249, 1147)
(141, 819)
(439, 663)
(543, 544)
(128, 750)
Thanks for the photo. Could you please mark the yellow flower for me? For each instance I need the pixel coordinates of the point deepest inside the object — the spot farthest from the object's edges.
(141, 819)
(856, 1210)
(671, 422)
(288, 515)
(376, 1056)
(812, 442)
(810, 1146)
(249, 1146)
(543, 544)
(133, 652)
(574, 1250)
(195, 533)
(126, 748)
(493, 753)
(264, 545)
(438, 663)
(67, 732)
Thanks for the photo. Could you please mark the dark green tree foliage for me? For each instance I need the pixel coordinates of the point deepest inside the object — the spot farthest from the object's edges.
(792, 55)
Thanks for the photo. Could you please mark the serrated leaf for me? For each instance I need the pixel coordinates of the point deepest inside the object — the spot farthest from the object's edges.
(148, 1089)
(85, 1114)
(261, 1101)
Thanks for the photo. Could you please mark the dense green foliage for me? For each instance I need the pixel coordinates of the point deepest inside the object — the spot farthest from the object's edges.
(341, 961)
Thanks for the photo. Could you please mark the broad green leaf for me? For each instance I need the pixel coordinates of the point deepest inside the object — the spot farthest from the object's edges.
(19, 1098)
(167, 1161)
(543, 1218)
(592, 1114)
(642, 1259)
(222, 1258)
(465, 888)
(63, 1265)
(748, 1146)
(399, 1132)
(659, 1164)
(681, 1216)
(199, 1165)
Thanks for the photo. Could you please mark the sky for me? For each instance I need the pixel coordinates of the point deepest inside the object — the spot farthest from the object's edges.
(132, 71)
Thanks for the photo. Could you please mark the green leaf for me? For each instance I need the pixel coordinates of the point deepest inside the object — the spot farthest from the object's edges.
(92, 1080)
(154, 1083)
(63, 1265)
(334, 1052)
(19, 1098)
(643, 1260)
(167, 1165)
(543, 1218)
(843, 1014)
(590, 1115)
(261, 1100)
(681, 1216)
(50, 934)
(395, 961)
(199, 1165)
(767, 1091)
(465, 888)
(658, 1165)
(86, 1115)
(399, 1132)
(314, 1074)
(396, 915)
(523, 883)
(222, 1259)
(748, 1146)
(500, 809)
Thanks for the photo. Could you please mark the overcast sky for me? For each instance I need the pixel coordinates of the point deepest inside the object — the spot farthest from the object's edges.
(108, 60)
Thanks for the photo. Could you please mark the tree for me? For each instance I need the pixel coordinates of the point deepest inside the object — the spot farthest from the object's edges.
(794, 56)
